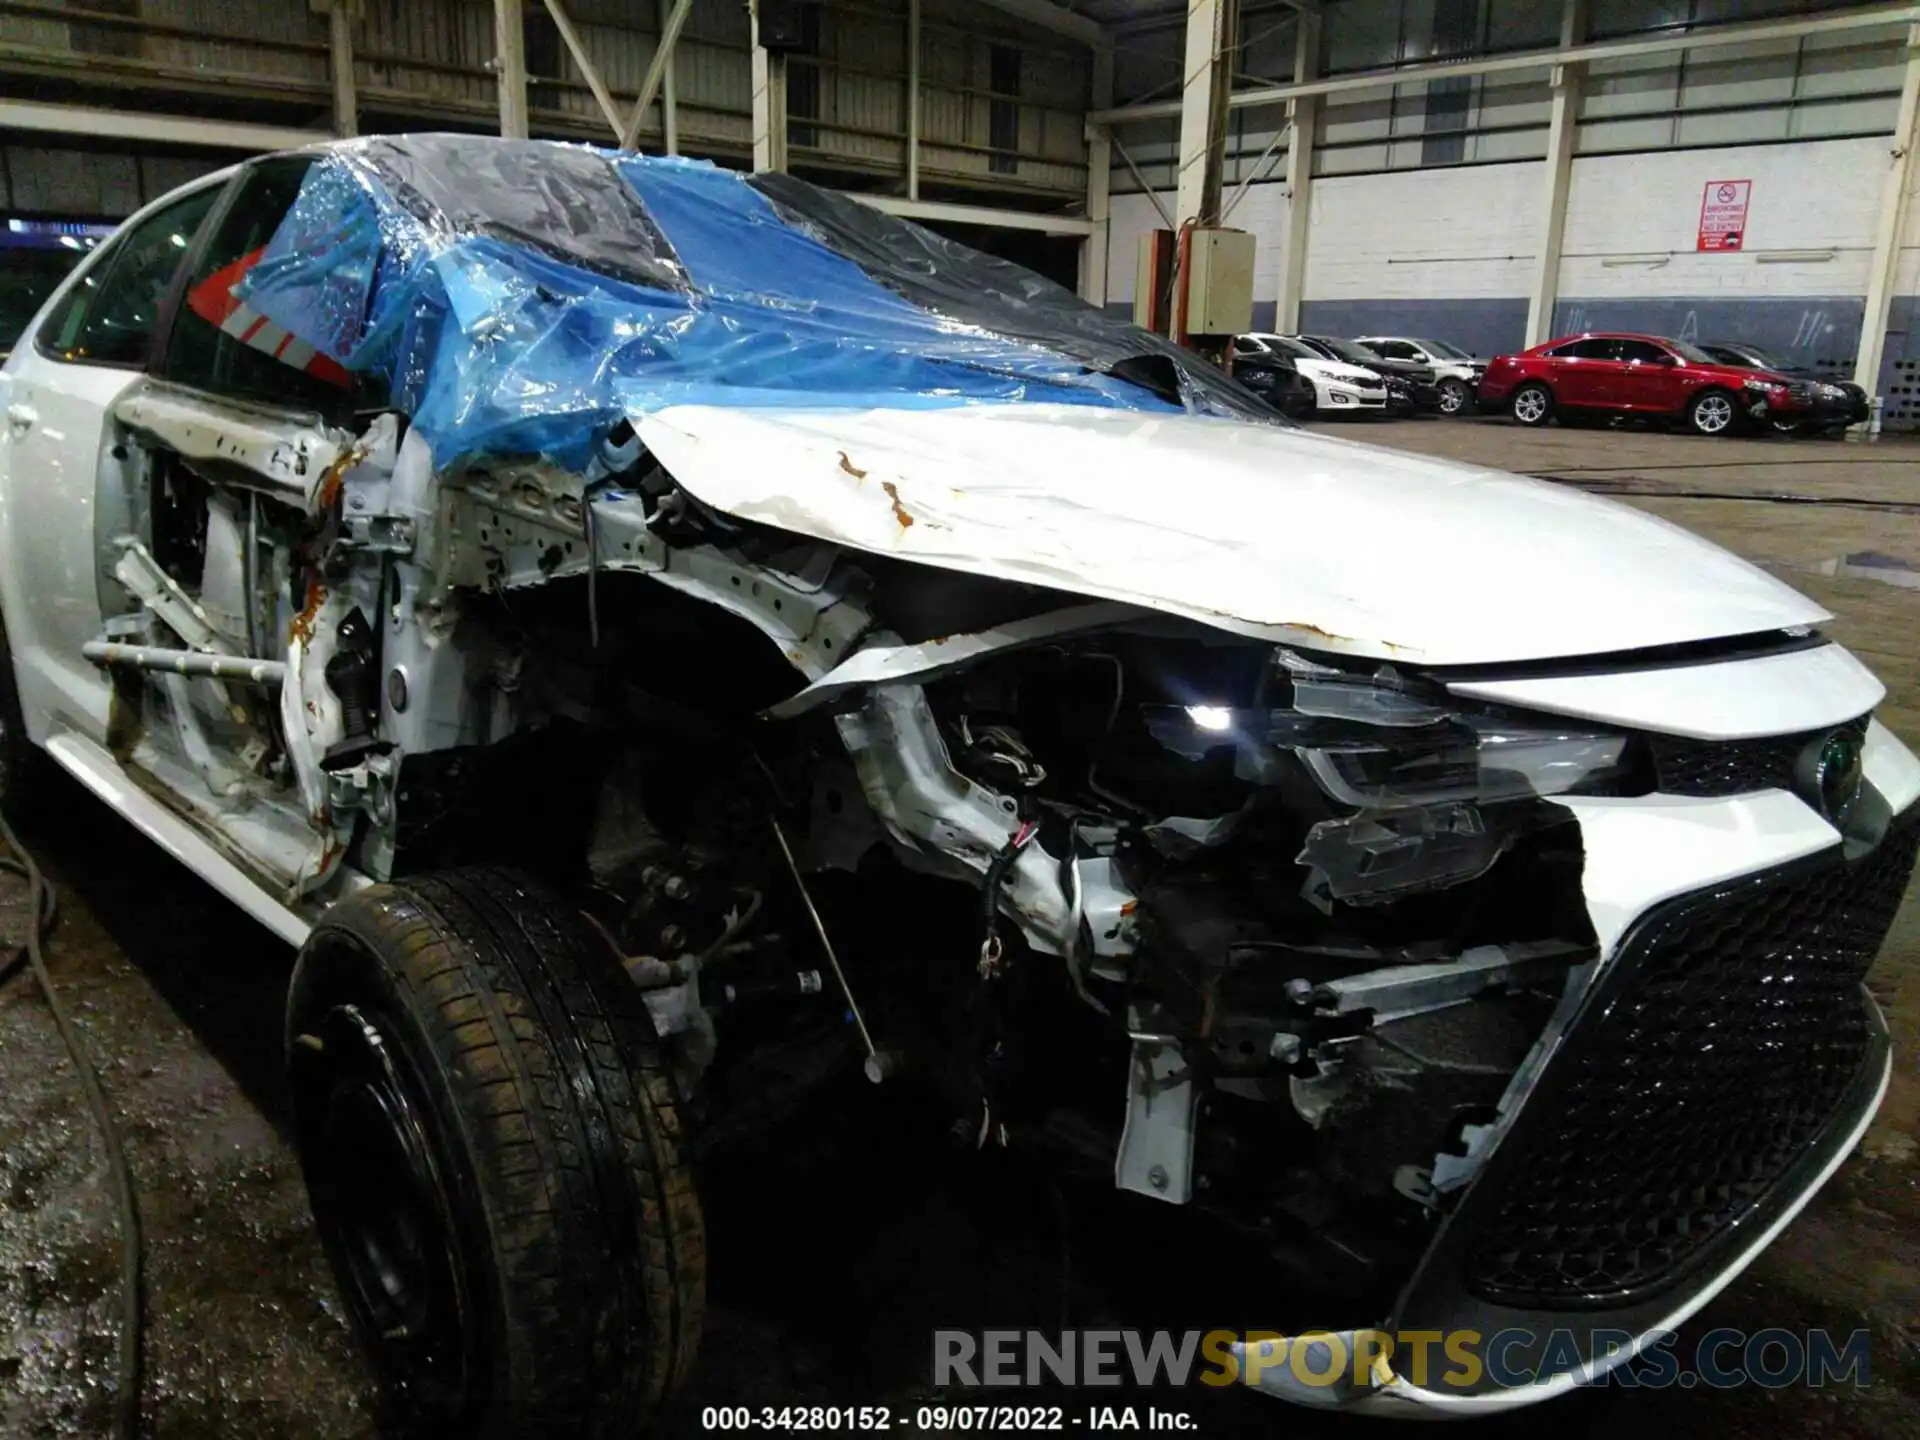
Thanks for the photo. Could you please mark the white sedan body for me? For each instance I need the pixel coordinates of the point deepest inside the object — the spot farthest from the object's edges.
(1515, 597)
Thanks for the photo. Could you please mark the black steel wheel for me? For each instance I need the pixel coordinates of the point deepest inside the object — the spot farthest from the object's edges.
(491, 1142)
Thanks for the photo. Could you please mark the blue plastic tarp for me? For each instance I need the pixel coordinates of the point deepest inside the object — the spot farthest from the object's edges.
(521, 297)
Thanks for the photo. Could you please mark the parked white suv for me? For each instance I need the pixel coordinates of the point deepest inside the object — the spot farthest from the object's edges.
(1455, 372)
(663, 641)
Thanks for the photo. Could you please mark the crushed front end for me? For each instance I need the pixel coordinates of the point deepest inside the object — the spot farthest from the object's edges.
(1490, 1018)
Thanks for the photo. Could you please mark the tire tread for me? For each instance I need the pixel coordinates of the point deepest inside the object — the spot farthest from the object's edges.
(567, 1115)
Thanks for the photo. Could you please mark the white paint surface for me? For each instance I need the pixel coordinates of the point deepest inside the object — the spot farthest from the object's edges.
(1768, 695)
(1319, 542)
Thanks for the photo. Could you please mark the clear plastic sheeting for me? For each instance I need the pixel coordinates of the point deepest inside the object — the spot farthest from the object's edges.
(965, 285)
(520, 297)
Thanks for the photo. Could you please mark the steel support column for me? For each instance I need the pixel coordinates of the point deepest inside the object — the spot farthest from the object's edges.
(670, 88)
(656, 75)
(1562, 129)
(1093, 250)
(769, 104)
(510, 67)
(346, 99)
(589, 71)
(1303, 124)
(913, 99)
(1213, 33)
(1896, 192)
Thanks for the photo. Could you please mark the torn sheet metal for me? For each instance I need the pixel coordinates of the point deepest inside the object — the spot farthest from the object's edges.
(242, 443)
(1309, 541)
(898, 664)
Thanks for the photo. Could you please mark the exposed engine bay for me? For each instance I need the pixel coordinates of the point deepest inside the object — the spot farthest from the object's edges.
(1256, 928)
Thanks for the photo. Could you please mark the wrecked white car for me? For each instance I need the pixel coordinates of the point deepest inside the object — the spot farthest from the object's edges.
(577, 598)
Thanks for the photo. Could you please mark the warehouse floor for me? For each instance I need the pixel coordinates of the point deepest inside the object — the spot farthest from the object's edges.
(829, 1292)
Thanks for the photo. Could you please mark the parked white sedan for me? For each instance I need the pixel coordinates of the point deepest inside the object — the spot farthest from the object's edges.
(1338, 388)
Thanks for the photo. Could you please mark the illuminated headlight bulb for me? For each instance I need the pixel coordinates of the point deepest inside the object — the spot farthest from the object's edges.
(1211, 717)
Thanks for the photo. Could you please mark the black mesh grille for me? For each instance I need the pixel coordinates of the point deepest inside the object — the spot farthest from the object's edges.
(1734, 767)
(1724, 1036)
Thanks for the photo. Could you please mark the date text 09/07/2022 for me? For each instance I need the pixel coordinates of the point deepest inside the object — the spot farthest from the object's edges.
(945, 1419)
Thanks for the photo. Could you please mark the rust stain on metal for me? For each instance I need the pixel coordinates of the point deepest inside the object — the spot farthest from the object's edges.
(852, 469)
(301, 630)
(1336, 639)
(899, 510)
(336, 476)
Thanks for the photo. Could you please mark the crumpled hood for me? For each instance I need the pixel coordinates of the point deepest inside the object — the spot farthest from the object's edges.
(1323, 543)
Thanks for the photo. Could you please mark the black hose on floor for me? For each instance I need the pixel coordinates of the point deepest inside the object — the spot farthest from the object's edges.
(45, 909)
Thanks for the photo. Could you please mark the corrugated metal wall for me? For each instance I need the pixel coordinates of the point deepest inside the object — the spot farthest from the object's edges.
(61, 183)
(958, 98)
(425, 63)
(1816, 88)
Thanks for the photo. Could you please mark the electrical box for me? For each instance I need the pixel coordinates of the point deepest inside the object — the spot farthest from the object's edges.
(1219, 282)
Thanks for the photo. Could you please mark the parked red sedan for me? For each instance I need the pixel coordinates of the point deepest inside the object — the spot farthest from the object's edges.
(1596, 375)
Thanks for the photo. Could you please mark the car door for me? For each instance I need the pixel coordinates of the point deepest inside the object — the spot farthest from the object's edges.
(221, 367)
(1585, 373)
(87, 347)
(1644, 381)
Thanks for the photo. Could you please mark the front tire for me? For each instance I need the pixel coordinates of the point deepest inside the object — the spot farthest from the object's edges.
(1712, 413)
(491, 1141)
(1532, 404)
(1455, 397)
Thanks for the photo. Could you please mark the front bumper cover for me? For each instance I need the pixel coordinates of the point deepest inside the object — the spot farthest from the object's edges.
(1444, 1297)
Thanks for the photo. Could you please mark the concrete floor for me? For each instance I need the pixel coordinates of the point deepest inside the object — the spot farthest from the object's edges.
(828, 1294)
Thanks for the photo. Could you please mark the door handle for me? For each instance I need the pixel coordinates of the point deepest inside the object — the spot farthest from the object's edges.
(21, 418)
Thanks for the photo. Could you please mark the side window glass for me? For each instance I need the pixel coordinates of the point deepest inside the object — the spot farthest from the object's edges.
(1394, 350)
(1594, 349)
(108, 318)
(1642, 351)
(221, 344)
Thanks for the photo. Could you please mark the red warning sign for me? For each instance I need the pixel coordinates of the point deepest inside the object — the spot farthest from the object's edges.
(1723, 214)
